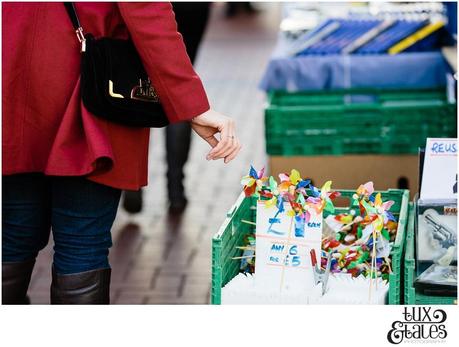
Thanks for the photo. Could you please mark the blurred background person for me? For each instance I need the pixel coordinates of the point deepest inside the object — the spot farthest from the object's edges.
(192, 18)
(234, 7)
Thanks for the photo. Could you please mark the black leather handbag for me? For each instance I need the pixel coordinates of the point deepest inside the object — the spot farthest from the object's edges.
(114, 83)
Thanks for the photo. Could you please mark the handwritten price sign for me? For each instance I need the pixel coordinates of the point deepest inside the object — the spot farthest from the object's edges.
(283, 246)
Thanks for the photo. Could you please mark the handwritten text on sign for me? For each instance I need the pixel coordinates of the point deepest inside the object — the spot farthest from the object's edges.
(439, 178)
(283, 246)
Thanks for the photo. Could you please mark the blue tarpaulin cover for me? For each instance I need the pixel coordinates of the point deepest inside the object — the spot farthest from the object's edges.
(405, 70)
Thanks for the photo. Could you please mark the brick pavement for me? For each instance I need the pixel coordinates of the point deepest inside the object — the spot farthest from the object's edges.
(156, 260)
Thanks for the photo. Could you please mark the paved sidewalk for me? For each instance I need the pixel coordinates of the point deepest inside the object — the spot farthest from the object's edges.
(156, 260)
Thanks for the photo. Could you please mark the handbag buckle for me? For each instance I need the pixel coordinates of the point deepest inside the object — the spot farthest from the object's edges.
(144, 91)
(81, 38)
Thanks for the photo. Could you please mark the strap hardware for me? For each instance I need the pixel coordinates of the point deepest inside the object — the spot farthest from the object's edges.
(71, 11)
(81, 38)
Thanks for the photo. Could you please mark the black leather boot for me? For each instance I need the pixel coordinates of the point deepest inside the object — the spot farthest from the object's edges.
(133, 201)
(15, 282)
(84, 288)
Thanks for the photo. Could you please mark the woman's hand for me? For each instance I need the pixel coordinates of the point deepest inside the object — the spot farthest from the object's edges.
(211, 122)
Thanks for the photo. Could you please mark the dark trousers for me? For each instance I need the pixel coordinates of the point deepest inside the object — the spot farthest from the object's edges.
(191, 21)
(79, 212)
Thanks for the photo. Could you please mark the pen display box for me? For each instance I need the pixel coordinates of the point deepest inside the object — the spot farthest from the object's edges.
(436, 246)
(411, 295)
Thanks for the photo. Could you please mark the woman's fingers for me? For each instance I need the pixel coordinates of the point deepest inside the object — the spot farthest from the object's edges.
(232, 145)
(226, 140)
(234, 153)
(223, 143)
(212, 141)
(228, 145)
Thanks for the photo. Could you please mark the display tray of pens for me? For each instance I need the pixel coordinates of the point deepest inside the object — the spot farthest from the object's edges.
(290, 242)
(368, 36)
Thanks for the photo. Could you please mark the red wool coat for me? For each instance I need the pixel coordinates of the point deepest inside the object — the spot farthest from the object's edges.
(45, 125)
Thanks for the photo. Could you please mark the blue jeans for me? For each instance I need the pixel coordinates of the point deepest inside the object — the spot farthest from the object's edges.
(79, 212)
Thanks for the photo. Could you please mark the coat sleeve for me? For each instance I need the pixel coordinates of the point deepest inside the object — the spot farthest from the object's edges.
(153, 30)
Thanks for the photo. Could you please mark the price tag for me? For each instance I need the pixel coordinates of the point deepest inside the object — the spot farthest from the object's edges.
(283, 248)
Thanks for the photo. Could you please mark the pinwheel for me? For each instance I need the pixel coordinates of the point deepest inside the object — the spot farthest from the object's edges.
(364, 190)
(301, 210)
(288, 183)
(377, 213)
(383, 208)
(253, 182)
(273, 193)
(304, 205)
(292, 184)
(301, 187)
(322, 199)
(364, 193)
(293, 190)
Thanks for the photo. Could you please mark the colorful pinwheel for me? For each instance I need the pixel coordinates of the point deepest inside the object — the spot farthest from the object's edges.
(288, 184)
(253, 182)
(383, 208)
(322, 199)
(273, 193)
(377, 213)
(292, 184)
(364, 190)
(364, 193)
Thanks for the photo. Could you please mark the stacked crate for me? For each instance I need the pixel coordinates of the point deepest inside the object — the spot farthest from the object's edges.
(353, 136)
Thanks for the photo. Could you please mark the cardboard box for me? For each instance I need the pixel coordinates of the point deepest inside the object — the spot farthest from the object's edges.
(349, 171)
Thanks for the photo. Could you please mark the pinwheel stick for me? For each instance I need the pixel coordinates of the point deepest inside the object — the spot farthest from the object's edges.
(373, 264)
(243, 257)
(288, 243)
(388, 264)
(248, 222)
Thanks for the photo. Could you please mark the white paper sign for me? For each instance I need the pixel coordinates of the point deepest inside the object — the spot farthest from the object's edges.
(439, 178)
(283, 249)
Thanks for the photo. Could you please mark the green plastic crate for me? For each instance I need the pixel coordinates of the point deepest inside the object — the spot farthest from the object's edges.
(342, 96)
(411, 296)
(233, 231)
(356, 121)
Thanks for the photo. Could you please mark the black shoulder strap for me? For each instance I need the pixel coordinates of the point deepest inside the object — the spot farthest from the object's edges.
(71, 11)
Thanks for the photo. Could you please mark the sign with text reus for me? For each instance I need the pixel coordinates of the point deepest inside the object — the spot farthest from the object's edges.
(439, 177)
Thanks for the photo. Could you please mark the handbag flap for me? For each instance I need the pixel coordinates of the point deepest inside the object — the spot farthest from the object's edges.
(123, 68)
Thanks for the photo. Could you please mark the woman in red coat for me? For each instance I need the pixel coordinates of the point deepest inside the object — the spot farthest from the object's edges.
(63, 168)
